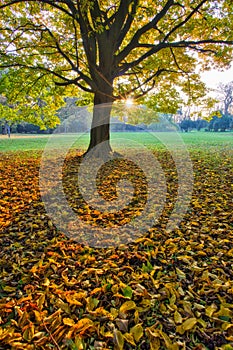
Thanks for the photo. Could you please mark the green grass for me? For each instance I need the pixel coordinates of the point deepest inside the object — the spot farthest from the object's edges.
(18, 142)
(212, 139)
(193, 140)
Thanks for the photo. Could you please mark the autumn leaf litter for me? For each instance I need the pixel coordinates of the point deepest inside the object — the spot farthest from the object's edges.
(164, 291)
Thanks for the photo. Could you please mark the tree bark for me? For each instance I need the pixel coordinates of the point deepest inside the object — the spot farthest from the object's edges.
(100, 128)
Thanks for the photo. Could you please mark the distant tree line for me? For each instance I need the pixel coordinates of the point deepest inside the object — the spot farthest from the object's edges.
(73, 124)
(223, 123)
(27, 128)
(73, 119)
(21, 128)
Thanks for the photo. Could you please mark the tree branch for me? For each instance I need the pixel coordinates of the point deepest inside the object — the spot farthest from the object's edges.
(56, 74)
(119, 18)
(52, 3)
(153, 76)
(75, 82)
(145, 92)
(134, 41)
(127, 25)
(95, 11)
(189, 44)
(76, 43)
(185, 20)
(176, 63)
(89, 41)
(59, 49)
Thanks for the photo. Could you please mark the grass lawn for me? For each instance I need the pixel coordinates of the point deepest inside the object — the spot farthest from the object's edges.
(165, 290)
(193, 140)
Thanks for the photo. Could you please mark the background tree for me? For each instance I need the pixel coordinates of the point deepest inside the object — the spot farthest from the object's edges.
(187, 124)
(221, 123)
(110, 49)
(201, 124)
(226, 97)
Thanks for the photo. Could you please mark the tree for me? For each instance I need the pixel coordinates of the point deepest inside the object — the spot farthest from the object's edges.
(200, 124)
(111, 49)
(220, 123)
(187, 124)
(226, 92)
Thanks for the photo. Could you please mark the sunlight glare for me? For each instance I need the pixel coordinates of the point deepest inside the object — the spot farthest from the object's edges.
(129, 102)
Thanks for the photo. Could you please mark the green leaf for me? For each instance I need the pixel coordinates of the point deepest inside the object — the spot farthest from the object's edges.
(127, 292)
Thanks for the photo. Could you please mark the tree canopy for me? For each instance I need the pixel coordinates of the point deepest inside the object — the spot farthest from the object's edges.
(111, 49)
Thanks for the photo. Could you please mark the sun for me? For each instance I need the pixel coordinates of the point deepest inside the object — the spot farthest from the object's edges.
(129, 102)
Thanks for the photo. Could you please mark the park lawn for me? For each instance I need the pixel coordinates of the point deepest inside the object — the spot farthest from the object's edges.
(18, 142)
(193, 140)
(164, 291)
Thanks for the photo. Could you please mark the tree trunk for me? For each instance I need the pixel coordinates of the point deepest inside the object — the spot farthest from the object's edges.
(100, 128)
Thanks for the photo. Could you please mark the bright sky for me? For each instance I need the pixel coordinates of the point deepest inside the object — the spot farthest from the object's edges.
(214, 77)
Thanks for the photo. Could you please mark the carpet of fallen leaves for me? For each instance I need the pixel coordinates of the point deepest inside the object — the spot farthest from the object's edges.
(164, 291)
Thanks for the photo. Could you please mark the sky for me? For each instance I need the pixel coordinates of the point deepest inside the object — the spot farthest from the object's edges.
(213, 78)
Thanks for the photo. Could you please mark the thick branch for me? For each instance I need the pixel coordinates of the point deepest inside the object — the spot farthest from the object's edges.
(75, 82)
(127, 25)
(120, 18)
(182, 44)
(88, 36)
(95, 11)
(134, 41)
(76, 43)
